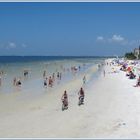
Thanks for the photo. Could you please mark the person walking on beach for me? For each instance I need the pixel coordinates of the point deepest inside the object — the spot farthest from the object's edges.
(64, 97)
(81, 94)
(64, 100)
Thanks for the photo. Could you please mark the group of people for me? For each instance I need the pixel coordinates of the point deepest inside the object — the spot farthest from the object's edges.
(17, 80)
(130, 72)
(131, 75)
(49, 82)
(64, 98)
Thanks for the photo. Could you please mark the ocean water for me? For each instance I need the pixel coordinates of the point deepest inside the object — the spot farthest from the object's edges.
(13, 66)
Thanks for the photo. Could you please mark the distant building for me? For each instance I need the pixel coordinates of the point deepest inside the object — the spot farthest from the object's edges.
(137, 52)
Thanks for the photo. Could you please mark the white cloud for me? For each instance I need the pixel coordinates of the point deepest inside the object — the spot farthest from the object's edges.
(100, 38)
(119, 40)
(11, 45)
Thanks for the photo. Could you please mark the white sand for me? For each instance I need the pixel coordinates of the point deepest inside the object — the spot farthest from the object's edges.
(111, 110)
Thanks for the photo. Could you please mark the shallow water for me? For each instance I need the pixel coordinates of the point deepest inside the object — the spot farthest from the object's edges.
(33, 84)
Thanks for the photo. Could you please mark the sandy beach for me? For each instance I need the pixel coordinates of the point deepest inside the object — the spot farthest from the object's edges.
(69, 70)
(111, 110)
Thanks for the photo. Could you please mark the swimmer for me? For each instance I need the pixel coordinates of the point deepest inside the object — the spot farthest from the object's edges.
(14, 81)
(45, 82)
(18, 83)
(50, 82)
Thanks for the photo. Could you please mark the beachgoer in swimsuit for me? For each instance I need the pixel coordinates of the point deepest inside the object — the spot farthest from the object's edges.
(25, 73)
(58, 75)
(45, 82)
(44, 73)
(84, 79)
(64, 98)
(138, 82)
(18, 83)
(50, 81)
(14, 81)
(53, 77)
(81, 93)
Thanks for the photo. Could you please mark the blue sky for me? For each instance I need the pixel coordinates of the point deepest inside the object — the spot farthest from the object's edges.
(87, 29)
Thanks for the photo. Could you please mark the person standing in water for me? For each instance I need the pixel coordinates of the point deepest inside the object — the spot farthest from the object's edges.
(60, 76)
(84, 79)
(50, 81)
(18, 82)
(0, 80)
(25, 73)
(53, 77)
(14, 81)
(45, 82)
(104, 73)
(44, 74)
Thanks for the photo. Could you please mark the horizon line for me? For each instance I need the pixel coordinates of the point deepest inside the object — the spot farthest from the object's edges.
(59, 56)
